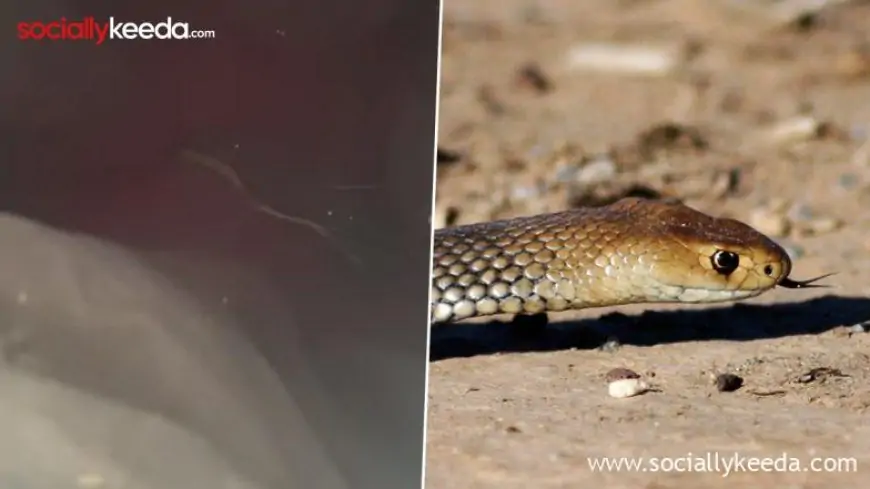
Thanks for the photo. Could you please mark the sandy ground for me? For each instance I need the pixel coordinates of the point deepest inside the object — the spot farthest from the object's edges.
(740, 113)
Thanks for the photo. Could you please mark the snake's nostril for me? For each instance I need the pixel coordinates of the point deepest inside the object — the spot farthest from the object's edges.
(768, 270)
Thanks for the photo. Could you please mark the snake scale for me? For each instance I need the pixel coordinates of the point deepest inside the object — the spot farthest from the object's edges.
(631, 251)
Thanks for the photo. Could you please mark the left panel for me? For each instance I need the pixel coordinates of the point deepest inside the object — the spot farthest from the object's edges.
(214, 242)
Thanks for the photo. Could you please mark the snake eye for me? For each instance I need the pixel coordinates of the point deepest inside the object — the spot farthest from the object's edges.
(725, 262)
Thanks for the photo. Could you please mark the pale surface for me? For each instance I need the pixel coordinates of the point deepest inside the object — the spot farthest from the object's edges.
(109, 370)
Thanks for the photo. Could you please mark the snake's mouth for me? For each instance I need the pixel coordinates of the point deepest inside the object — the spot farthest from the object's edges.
(788, 283)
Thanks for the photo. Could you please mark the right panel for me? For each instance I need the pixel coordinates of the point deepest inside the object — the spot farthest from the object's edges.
(632, 202)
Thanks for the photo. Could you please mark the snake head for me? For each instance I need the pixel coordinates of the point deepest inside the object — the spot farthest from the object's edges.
(700, 258)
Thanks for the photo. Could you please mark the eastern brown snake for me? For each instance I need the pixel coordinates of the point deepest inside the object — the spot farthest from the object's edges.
(632, 251)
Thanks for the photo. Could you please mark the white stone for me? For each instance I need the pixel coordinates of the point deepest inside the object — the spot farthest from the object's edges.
(623, 388)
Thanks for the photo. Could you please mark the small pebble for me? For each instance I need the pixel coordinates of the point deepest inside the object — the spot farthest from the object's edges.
(725, 183)
(528, 192)
(595, 172)
(625, 59)
(728, 382)
(668, 136)
(566, 173)
(769, 222)
(859, 328)
(533, 77)
(820, 374)
(797, 129)
(623, 388)
(611, 345)
(819, 226)
(621, 373)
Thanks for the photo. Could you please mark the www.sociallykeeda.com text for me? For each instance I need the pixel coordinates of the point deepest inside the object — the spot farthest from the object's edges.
(726, 465)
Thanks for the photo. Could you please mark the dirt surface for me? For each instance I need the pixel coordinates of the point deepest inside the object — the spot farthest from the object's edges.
(739, 112)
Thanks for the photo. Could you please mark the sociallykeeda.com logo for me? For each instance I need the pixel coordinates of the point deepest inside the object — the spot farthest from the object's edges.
(98, 32)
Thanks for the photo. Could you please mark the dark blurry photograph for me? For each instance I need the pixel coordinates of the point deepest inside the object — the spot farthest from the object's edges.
(214, 243)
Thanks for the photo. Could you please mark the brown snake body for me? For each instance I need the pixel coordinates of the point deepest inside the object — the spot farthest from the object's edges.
(632, 251)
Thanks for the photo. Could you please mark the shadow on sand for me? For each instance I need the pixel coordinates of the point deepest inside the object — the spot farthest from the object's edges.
(737, 322)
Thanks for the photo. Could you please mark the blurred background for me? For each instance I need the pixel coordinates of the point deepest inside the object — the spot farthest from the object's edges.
(754, 110)
(160, 331)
